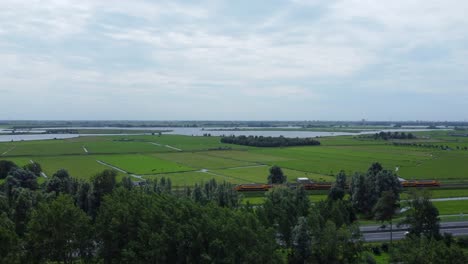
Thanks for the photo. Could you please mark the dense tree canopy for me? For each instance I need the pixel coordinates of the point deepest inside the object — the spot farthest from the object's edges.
(261, 141)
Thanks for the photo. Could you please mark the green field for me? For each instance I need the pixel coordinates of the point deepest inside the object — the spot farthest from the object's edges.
(452, 207)
(190, 178)
(142, 164)
(202, 160)
(161, 155)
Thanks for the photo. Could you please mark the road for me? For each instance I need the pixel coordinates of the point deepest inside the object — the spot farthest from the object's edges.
(375, 233)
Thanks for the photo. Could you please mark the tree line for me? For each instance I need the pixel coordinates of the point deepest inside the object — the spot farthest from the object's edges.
(442, 147)
(393, 135)
(104, 221)
(261, 141)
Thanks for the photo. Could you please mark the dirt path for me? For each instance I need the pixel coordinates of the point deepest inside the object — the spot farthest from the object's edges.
(219, 175)
(110, 166)
(167, 146)
(245, 167)
(12, 148)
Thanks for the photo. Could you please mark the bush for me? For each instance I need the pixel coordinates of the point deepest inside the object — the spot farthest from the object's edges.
(376, 251)
(385, 247)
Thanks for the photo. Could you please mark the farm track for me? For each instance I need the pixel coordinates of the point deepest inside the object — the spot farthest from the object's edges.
(220, 175)
(167, 146)
(12, 148)
(111, 166)
(246, 167)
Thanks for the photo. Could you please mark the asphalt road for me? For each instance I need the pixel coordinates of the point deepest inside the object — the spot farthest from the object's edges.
(375, 233)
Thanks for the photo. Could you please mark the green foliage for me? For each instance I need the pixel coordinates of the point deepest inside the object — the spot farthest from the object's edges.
(425, 250)
(61, 182)
(178, 231)
(5, 168)
(276, 175)
(9, 241)
(260, 141)
(337, 192)
(59, 231)
(423, 216)
(282, 209)
(367, 189)
(34, 167)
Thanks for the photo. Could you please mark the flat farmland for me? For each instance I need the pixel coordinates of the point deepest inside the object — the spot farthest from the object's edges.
(330, 160)
(111, 147)
(142, 164)
(259, 174)
(250, 156)
(189, 143)
(201, 160)
(80, 167)
(444, 165)
(191, 178)
(452, 207)
(45, 148)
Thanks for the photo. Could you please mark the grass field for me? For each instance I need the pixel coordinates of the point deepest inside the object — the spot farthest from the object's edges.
(80, 167)
(202, 160)
(190, 178)
(148, 154)
(452, 207)
(260, 174)
(142, 164)
(45, 148)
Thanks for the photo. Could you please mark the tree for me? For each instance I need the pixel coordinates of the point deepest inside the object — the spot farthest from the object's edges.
(276, 175)
(61, 182)
(19, 178)
(9, 241)
(5, 168)
(337, 192)
(427, 250)
(423, 216)
(302, 241)
(282, 209)
(102, 183)
(385, 209)
(34, 167)
(58, 231)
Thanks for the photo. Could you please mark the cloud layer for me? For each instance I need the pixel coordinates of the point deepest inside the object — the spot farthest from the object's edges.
(296, 60)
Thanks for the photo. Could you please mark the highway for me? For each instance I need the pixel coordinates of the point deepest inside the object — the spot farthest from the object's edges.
(376, 233)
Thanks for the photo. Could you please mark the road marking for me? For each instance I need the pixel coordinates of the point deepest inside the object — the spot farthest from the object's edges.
(4, 153)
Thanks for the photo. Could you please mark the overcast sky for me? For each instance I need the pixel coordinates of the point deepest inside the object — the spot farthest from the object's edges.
(242, 60)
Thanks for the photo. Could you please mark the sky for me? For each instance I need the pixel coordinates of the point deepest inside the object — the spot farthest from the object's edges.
(234, 60)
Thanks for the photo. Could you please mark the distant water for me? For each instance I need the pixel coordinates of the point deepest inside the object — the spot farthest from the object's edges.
(191, 131)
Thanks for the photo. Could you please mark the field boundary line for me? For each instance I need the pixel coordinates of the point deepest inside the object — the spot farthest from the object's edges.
(167, 146)
(246, 167)
(12, 148)
(111, 166)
